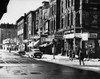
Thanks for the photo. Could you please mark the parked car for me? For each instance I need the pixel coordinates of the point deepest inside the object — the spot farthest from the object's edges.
(21, 49)
(0, 55)
(21, 52)
(36, 53)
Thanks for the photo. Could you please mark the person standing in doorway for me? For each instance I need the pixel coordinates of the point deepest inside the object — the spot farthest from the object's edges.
(70, 54)
(81, 56)
(53, 51)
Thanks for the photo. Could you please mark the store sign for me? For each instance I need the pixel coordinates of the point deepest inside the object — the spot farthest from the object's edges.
(85, 36)
(21, 31)
(44, 35)
(78, 35)
(49, 38)
(58, 35)
(69, 36)
(93, 35)
(99, 42)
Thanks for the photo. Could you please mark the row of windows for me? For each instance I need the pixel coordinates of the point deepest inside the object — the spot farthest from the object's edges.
(52, 26)
(91, 1)
(65, 4)
(53, 10)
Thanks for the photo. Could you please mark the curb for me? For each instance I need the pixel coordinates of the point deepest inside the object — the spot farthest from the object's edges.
(77, 66)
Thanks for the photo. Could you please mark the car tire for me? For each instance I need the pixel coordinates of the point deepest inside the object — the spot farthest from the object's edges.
(35, 56)
(40, 56)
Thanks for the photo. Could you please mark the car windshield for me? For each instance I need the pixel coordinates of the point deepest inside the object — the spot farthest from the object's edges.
(36, 50)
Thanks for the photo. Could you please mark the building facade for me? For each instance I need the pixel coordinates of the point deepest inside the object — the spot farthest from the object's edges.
(81, 25)
(45, 20)
(71, 23)
(7, 31)
(90, 24)
(39, 20)
(21, 30)
(30, 24)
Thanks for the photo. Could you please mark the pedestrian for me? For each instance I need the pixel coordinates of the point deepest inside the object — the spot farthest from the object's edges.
(53, 51)
(70, 54)
(81, 56)
(9, 50)
(62, 51)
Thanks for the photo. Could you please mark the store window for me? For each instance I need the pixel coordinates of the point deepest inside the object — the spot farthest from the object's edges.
(90, 46)
(94, 1)
(99, 42)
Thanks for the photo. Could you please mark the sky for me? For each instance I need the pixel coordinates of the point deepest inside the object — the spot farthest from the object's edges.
(17, 8)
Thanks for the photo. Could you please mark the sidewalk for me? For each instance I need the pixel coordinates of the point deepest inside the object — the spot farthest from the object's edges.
(92, 64)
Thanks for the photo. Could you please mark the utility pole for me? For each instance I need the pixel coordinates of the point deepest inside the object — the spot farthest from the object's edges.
(81, 20)
(74, 23)
(74, 41)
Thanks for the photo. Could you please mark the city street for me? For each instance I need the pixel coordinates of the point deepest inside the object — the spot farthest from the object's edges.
(49, 39)
(13, 66)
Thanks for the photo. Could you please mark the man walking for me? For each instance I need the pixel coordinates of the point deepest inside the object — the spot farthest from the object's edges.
(81, 56)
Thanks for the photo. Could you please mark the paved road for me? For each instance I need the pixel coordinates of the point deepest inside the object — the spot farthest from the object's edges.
(14, 66)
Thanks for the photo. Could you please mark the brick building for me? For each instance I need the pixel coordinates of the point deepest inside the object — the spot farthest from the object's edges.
(80, 18)
(7, 31)
(21, 30)
(31, 24)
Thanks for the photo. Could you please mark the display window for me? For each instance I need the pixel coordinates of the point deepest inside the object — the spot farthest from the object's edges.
(90, 46)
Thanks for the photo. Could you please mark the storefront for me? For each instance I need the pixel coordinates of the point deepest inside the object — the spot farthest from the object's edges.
(90, 42)
(58, 36)
(91, 46)
(46, 44)
(72, 42)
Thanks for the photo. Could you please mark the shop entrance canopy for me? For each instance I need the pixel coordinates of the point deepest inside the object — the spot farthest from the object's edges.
(34, 43)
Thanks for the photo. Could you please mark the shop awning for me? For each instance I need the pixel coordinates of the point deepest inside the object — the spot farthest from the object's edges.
(31, 44)
(58, 35)
(45, 44)
(84, 36)
(34, 44)
(37, 43)
(68, 36)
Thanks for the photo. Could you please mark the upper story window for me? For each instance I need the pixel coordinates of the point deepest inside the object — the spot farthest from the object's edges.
(55, 9)
(91, 1)
(66, 3)
(94, 1)
(72, 2)
(51, 0)
(85, 1)
(77, 5)
(52, 10)
(62, 6)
